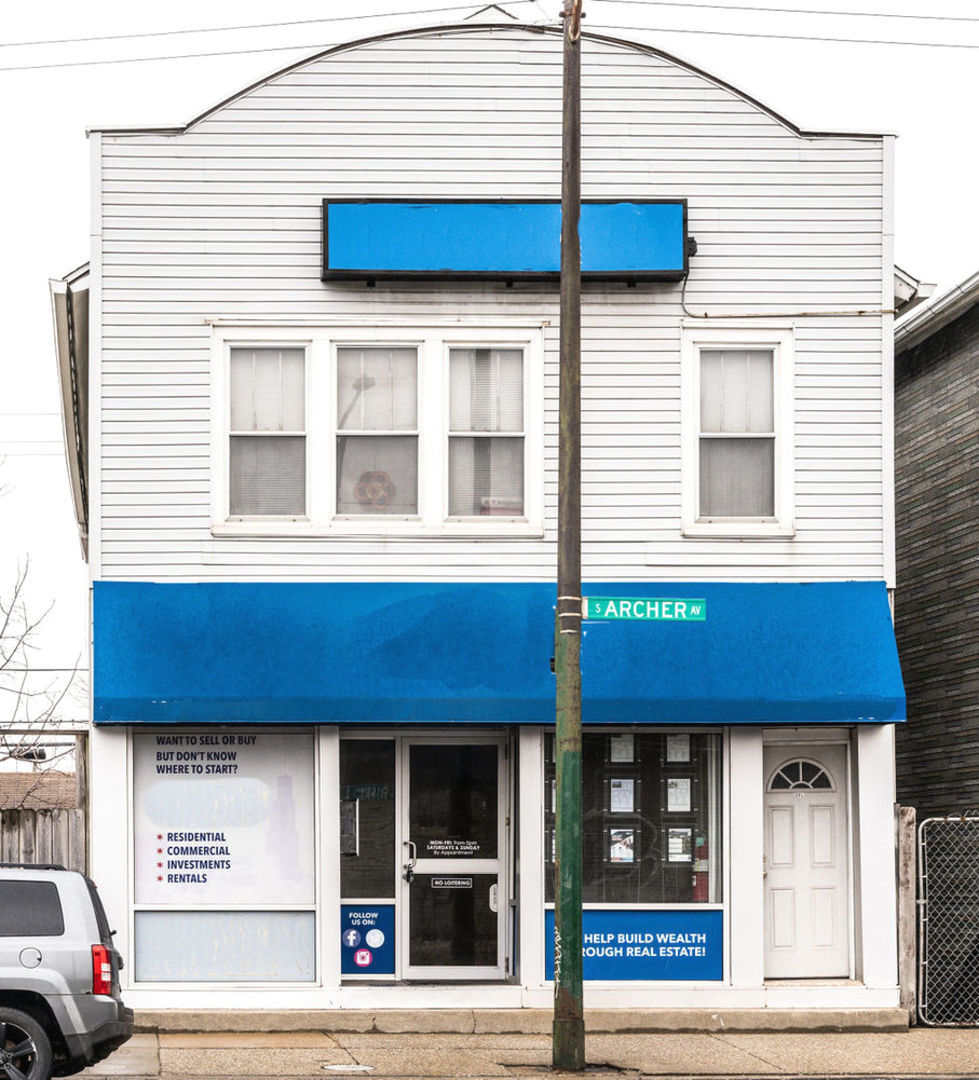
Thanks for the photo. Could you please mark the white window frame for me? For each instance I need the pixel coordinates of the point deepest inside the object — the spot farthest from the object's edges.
(433, 342)
(232, 433)
(324, 486)
(779, 339)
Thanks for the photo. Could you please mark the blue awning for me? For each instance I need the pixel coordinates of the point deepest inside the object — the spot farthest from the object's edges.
(398, 652)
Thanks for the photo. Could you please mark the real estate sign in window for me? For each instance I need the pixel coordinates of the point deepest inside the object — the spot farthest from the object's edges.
(223, 818)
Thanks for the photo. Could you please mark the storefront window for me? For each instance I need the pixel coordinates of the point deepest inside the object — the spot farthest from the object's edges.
(651, 814)
(224, 822)
(367, 856)
(225, 946)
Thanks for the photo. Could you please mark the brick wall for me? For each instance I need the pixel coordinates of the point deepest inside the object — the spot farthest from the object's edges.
(937, 601)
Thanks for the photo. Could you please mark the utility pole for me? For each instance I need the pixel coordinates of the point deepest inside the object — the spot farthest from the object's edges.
(569, 1017)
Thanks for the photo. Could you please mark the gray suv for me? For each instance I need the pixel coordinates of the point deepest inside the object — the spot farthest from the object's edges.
(60, 1007)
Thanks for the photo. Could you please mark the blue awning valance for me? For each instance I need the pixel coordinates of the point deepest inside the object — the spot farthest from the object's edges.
(389, 652)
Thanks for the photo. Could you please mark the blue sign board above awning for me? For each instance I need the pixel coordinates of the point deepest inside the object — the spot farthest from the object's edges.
(501, 241)
(429, 652)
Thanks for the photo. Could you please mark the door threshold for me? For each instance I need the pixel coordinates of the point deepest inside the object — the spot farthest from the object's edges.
(454, 982)
(816, 980)
(352, 983)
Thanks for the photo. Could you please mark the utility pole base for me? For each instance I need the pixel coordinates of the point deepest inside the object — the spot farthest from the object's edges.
(568, 1049)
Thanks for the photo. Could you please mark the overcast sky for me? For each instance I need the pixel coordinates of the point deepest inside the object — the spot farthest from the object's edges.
(926, 93)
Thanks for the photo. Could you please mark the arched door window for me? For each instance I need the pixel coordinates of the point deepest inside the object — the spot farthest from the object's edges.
(800, 774)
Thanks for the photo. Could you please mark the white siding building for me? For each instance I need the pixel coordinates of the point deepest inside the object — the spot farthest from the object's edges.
(321, 503)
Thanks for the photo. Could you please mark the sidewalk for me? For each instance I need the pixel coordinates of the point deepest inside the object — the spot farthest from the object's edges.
(919, 1052)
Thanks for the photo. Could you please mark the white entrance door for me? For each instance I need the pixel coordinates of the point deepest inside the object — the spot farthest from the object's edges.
(806, 880)
(453, 904)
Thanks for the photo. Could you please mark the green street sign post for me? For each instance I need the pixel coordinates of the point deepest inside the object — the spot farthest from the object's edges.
(645, 608)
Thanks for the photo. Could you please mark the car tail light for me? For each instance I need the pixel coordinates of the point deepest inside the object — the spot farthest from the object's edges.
(101, 970)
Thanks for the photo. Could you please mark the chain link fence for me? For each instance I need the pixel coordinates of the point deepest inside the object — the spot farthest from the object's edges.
(948, 921)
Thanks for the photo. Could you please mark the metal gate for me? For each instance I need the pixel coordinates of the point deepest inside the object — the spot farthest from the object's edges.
(948, 921)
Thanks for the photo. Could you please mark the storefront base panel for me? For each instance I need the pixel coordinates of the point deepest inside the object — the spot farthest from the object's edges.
(453, 1008)
(529, 1021)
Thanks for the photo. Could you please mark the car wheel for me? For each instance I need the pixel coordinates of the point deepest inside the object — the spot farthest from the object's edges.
(25, 1049)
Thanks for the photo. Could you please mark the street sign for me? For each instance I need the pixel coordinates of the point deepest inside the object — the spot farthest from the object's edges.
(644, 607)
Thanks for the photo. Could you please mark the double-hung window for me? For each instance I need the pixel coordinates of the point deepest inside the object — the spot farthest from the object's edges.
(377, 431)
(414, 431)
(267, 442)
(486, 440)
(737, 433)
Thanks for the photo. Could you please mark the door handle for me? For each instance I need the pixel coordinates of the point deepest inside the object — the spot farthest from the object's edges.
(409, 867)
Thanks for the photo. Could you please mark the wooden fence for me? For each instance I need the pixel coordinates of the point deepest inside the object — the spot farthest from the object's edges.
(44, 836)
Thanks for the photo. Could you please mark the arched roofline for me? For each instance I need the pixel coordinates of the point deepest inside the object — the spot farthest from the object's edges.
(473, 28)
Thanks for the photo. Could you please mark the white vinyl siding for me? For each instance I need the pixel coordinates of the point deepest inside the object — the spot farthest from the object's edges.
(223, 225)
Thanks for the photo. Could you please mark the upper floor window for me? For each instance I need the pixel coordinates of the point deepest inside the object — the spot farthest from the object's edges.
(267, 451)
(737, 433)
(417, 432)
(486, 441)
(377, 431)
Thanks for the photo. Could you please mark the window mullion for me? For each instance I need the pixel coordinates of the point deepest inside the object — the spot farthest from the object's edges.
(318, 429)
(433, 373)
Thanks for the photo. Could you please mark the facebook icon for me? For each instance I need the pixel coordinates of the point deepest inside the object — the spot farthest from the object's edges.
(351, 939)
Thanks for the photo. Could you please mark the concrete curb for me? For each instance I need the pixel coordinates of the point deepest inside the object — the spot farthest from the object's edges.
(520, 1021)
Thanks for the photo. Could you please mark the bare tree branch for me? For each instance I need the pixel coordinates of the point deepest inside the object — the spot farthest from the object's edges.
(32, 710)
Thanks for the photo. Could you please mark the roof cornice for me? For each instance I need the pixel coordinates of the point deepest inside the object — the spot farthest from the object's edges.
(481, 27)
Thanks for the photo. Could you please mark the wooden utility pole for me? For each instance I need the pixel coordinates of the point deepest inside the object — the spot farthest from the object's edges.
(569, 1017)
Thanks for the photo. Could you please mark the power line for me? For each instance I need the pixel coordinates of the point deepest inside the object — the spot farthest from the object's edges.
(787, 37)
(794, 11)
(242, 26)
(464, 7)
(306, 46)
(174, 56)
(460, 7)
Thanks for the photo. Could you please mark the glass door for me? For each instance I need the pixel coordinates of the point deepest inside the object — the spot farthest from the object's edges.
(453, 885)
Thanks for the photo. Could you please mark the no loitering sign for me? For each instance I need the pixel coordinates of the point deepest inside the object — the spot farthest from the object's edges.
(644, 608)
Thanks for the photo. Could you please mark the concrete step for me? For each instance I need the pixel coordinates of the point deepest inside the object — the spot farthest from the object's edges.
(518, 1021)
